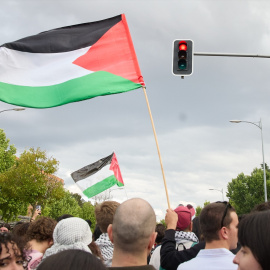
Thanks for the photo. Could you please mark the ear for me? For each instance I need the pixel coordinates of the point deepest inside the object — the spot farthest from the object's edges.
(110, 233)
(50, 242)
(151, 241)
(224, 234)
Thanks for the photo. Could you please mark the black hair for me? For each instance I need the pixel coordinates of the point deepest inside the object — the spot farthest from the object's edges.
(63, 217)
(253, 233)
(160, 229)
(5, 239)
(6, 225)
(96, 234)
(197, 228)
(71, 260)
(89, 222)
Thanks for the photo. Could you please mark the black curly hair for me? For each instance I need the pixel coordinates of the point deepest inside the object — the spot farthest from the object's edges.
(5, 239)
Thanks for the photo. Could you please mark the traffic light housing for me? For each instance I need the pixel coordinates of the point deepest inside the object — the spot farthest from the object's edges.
(182, 57)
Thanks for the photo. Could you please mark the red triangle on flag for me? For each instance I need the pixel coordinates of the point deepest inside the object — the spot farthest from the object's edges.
(112, 53)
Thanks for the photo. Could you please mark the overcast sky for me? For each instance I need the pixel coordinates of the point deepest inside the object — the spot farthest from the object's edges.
(200, 148)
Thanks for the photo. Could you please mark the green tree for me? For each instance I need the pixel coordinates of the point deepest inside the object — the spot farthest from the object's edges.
(78, 198)
(7, 153)
(88, 212)
(69, 204)
(198, 210)
(29, 181)
(66, 205)
(246, 191)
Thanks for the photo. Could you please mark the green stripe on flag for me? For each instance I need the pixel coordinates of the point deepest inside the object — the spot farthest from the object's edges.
(100, 186)
(95, 84)
(119, 184)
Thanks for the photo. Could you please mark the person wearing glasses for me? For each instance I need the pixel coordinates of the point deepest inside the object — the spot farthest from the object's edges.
(219, 223)
(219, 226)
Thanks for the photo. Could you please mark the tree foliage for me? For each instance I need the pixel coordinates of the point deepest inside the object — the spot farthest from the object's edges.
(29, 181)
(7, 153)
(69, 204)
(246, 191)
(66, 205)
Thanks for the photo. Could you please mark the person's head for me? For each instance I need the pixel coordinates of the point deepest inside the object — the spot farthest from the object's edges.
(41, 230)
(218, 222)
(5, 227)
(104, 214)
(71, 260)
(196, 228)
(184, 219)
(63, 217)
(133, 228)
(97, 232)
(262, 207)
(11, 254)
(160, 230)
(19, 231)
(89, 222)
(254, 237)
(70, 233)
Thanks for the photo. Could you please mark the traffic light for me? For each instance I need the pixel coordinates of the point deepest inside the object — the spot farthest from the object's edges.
(182, 57)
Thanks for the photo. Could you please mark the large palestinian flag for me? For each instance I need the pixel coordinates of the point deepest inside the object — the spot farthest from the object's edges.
(102, 174)
(69, 64)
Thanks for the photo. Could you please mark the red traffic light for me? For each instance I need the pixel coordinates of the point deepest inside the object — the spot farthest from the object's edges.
(182, 45)
(182, 57)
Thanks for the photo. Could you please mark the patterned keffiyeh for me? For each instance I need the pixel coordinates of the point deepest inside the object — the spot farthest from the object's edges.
(70, 233)
(181, 237)
(106, 248)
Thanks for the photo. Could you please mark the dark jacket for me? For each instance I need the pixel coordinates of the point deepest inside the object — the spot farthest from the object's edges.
(170, 258)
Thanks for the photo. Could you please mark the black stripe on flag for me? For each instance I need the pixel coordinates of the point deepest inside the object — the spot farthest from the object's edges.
(91, 168)
(64, 39)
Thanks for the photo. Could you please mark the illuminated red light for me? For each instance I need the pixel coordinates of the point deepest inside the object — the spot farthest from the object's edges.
(182, 46)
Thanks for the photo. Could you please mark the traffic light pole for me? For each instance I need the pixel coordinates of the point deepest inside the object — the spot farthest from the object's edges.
(231, 54)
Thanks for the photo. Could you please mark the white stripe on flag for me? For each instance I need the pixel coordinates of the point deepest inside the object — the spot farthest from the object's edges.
(39, 69)
(95, 178)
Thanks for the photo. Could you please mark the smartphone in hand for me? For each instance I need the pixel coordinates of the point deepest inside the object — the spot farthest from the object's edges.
(38, 207)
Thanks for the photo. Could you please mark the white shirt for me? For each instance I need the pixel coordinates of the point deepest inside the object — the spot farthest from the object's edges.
(208, 259)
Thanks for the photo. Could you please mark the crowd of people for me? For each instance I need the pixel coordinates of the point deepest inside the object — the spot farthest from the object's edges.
(127, 237)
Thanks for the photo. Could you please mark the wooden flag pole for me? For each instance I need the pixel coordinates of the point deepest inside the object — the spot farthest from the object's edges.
(154, 130)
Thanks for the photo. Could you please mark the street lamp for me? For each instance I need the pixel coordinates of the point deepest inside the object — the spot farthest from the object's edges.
(260, 127)
(220, 190)
(14, 109)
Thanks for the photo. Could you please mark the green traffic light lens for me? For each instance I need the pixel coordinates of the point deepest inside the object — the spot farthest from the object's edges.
(182, 64)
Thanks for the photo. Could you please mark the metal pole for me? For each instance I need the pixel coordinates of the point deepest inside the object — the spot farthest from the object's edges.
(264, 174)
(232, 55)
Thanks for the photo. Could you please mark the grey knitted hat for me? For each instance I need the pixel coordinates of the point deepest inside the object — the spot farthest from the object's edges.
(70, 233)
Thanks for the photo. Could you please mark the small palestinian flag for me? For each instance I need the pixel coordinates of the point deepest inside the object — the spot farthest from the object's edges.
(69, 64)
(103, 174)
